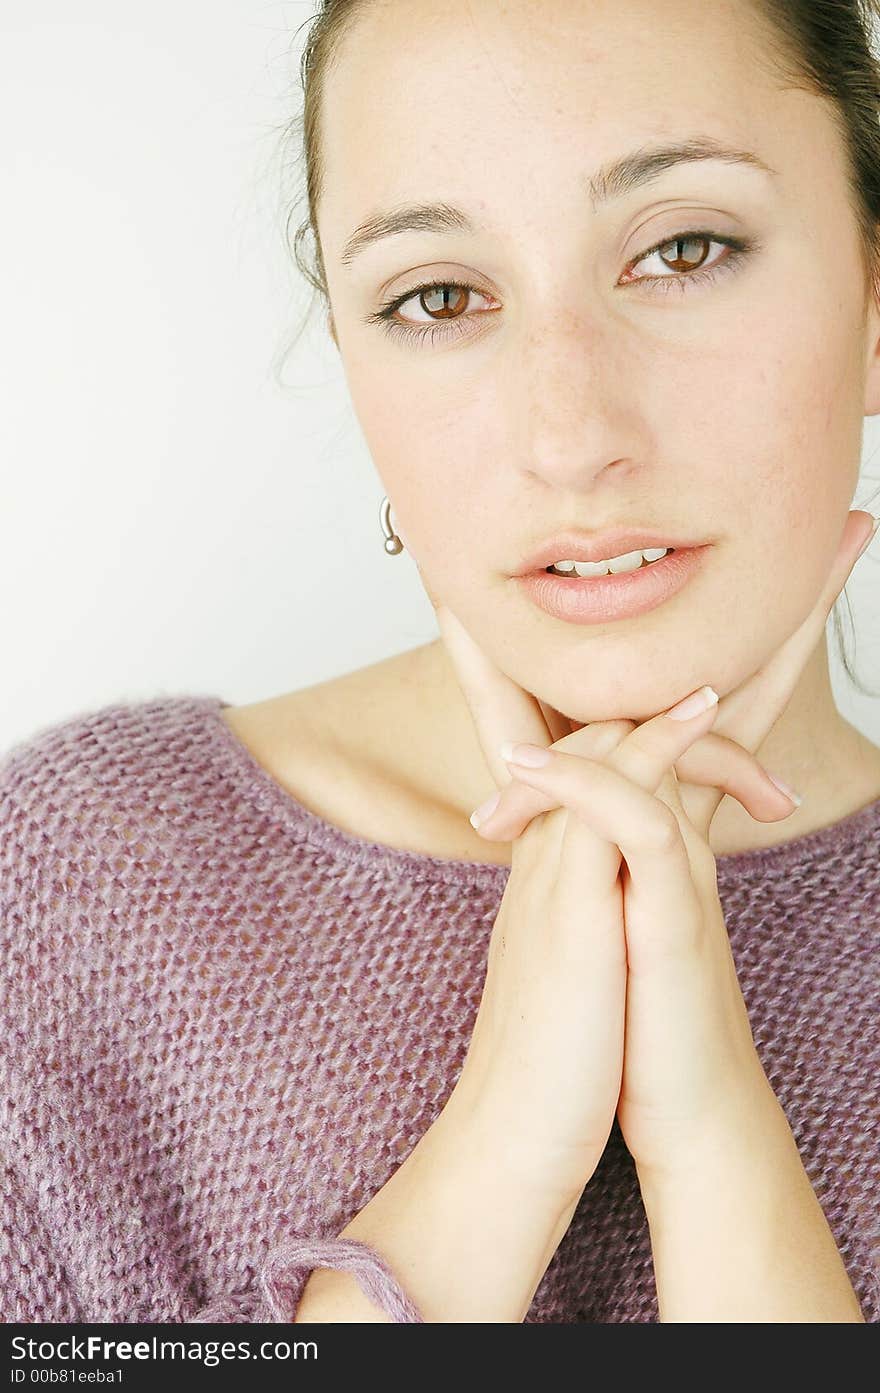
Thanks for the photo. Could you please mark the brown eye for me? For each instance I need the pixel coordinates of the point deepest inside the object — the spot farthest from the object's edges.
(683, 260)
(444, 301)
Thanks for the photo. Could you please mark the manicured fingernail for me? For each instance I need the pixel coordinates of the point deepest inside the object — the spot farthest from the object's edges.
(694, 704)
(485, 810)
(784, 788)
(870, 539)
(530, 756)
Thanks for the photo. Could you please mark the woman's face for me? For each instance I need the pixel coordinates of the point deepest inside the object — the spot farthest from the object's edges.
(565, 388)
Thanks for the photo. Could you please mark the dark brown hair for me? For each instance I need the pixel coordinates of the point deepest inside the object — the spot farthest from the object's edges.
(823, 47)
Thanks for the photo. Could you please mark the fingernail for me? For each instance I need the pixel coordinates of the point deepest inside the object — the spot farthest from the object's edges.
(870, 539)
(485, 810)
(694, 704)
(784, 788)
(531, 756)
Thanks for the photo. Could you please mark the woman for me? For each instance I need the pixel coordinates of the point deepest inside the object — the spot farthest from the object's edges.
(331, 1051)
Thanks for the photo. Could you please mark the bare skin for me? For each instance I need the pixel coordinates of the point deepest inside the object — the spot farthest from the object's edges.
(416, 770)
(567, 386)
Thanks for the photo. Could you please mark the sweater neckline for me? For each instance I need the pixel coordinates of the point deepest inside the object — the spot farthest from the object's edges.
(265, 792)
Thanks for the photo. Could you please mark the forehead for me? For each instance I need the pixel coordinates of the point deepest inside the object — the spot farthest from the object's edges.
(494, 100)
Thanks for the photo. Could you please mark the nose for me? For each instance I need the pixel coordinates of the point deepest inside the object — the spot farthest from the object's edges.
(577, 410)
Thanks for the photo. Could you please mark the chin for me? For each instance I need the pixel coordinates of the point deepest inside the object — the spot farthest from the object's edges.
(639, 712)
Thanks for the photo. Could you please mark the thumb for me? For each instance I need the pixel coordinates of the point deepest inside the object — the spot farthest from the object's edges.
(670, 791)
(500, 708)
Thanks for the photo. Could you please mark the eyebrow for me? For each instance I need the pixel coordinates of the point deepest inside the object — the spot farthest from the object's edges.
(612, 181)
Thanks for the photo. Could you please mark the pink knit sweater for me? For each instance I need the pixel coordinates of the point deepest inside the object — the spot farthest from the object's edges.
(227, 1022)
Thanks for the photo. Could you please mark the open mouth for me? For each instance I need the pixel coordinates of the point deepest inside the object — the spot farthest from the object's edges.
(609, 596)
(593, 573)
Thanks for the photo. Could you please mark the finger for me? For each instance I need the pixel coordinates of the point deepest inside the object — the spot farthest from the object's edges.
(640, 759)
(719, 766)
(643, 827)
(519, 804)
(597, 860)
(645, 754)
(498, 705)
(703, 867)
(714, 763)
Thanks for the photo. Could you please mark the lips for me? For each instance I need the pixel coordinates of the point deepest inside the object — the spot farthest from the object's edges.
(580, 546)
(609, 599)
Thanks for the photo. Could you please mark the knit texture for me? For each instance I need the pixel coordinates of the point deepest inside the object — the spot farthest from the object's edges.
(225, 1023)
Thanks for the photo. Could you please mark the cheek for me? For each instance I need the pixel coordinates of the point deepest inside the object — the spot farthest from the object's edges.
(788, 458)
(405, 539)
(411, 453)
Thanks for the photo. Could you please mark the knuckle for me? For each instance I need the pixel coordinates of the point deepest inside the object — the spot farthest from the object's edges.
(664, 831)
(530, 849)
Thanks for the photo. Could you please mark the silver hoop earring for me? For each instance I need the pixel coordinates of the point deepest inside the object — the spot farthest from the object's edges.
(393, 544)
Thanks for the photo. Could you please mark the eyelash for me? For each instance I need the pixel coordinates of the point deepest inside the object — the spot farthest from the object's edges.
(740, 248)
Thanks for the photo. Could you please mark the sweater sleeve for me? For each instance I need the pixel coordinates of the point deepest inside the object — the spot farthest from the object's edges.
(41, 1283)
(288, 1268)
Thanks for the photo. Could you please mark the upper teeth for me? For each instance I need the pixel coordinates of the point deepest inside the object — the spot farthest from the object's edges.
(629, 561)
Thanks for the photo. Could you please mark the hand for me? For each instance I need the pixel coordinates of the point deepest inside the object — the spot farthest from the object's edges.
(702, 1083)
(677, 1087)
(544, 1066)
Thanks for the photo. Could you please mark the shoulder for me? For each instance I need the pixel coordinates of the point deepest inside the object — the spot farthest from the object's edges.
(90, 758)
(79, 797)
(59, 771)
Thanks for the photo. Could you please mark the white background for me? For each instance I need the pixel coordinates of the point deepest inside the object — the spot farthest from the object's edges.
(170, 515)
